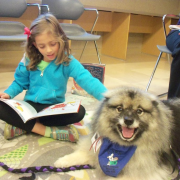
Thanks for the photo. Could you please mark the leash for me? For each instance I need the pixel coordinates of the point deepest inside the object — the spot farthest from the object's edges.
(37, 169)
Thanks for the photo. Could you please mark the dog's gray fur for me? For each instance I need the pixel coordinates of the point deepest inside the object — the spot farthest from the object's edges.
(157, 127)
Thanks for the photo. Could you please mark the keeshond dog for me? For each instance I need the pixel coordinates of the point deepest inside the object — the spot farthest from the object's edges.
(136, 137)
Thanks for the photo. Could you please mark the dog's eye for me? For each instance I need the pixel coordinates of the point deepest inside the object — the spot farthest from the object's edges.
(140, 111)
(119, 108)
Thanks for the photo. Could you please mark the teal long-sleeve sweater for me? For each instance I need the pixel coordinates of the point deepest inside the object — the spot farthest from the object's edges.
(49, 86)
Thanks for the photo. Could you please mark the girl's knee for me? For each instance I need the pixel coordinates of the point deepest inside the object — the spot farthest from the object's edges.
(82, 112)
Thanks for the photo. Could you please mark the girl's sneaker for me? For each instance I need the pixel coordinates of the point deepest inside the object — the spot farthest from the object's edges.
(12, 131)
(65, 133)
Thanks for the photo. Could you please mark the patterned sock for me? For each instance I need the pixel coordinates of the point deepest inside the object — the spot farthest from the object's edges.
(47, 131)
(63, 133)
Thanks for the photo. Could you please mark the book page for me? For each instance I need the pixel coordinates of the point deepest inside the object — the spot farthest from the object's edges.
(61, 108)
(25, 110)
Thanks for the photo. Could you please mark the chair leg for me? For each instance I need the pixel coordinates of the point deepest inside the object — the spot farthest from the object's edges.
(97, 52)
(147, 87)
(169, 59)
(83, 50)
(161, 95)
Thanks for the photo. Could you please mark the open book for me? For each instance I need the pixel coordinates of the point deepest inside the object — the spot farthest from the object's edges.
(174, 27)
(27, 112)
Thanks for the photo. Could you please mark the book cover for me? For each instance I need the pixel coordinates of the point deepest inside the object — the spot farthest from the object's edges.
(27, 112)
(97, 71)
(82, 128)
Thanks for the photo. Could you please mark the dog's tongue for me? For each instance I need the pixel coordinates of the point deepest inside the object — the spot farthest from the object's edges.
(127, 132)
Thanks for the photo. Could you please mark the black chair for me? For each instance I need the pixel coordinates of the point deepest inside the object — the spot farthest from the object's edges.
(162, 49)
(72, 10)
(13, 30)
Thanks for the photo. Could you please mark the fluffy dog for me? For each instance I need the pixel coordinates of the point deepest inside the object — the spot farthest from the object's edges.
(146, 128)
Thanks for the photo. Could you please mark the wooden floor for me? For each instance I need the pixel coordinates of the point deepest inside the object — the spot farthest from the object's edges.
(135, 71)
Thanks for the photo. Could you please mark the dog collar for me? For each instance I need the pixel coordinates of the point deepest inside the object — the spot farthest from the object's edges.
(113, 157)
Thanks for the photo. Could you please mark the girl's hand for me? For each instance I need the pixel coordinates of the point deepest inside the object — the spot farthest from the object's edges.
(4, 96)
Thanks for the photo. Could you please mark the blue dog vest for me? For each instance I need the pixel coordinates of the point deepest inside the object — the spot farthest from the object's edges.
(113, 157)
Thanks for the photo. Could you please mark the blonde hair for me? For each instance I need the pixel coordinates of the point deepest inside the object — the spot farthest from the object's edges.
(46, 22)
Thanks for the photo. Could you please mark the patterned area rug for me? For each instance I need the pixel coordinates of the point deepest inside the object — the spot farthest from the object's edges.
(35, 150)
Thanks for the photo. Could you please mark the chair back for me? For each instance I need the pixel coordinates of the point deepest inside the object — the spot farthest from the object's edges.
(12, 8)
(65, 9)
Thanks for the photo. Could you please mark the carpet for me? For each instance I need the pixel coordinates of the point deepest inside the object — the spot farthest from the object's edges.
(34, 150)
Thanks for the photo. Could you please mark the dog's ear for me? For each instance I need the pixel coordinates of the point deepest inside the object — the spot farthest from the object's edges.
(108, 94)
(105, 99)
(155, 103)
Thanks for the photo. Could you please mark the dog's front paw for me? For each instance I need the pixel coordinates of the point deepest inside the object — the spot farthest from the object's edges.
(76, 158)
(63, 162)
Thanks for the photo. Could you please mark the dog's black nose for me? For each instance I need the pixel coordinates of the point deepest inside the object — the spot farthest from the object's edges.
(128, 120)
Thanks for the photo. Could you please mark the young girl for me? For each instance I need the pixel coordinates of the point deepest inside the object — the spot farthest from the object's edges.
(44, 72)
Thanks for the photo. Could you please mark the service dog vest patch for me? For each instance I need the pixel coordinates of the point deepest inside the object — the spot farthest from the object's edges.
(113, 157)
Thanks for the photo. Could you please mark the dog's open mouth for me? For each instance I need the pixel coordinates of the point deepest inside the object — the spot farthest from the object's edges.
(127, 133)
